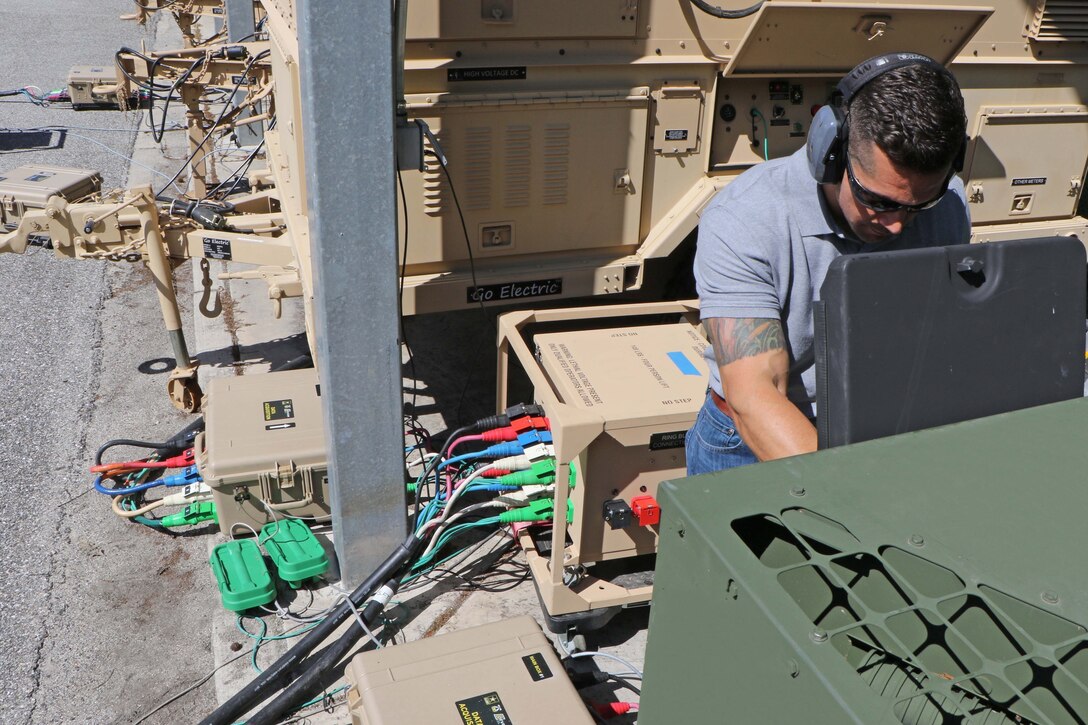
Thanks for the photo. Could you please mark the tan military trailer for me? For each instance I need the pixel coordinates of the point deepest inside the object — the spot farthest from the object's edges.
(565, 149)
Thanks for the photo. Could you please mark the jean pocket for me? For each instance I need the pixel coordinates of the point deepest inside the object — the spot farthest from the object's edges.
(715, 430)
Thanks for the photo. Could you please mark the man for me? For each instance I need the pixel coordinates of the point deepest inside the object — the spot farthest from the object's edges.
(877, 174)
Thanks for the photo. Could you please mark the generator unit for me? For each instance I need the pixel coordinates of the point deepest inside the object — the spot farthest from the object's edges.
(263, 451)
(584, 139)
(620, 386)
(928, 577)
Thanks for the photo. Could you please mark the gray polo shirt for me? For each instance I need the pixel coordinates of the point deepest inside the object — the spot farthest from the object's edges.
(766, 241)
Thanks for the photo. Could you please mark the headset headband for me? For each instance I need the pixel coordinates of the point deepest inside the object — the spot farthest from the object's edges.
(867, 70)
(827, 141)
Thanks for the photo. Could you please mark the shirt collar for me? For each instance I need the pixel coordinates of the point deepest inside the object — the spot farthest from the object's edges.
(808, 205)
(813, 219)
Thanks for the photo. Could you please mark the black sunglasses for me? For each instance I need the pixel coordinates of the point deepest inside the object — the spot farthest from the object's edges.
(879, 203)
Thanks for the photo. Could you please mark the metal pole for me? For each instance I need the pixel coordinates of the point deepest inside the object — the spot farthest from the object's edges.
(348, 142)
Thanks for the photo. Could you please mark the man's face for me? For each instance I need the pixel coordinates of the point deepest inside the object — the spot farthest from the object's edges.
(882, 183)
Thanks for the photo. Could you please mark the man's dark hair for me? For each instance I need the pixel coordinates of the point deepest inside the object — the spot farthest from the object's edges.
(914, 114)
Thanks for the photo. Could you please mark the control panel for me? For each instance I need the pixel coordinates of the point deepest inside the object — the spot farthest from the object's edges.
(758, 119)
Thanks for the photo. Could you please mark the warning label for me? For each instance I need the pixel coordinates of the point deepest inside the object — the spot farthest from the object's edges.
(578, 378)
(654, 372)
(279, 409)
(483, 710)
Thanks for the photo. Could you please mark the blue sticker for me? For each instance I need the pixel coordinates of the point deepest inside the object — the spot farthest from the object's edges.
(681, 361)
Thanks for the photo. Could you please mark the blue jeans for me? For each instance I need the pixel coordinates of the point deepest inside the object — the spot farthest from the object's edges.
(713, 443)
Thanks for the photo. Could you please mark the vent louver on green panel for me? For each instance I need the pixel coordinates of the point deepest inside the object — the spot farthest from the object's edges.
(941, 649)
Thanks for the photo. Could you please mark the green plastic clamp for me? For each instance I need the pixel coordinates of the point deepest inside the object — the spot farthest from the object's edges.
(295, 551)
(540, 473)
(542, 509)
(194, 513)
(242, 575)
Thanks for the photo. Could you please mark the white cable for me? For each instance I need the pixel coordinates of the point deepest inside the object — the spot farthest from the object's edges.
(275, 517)
(446, 524)
(479, 472)
(359, 620)
(129, 158)
(608, 655)
(57, 127)
(421, 460)
(242, 523)
(457, 492)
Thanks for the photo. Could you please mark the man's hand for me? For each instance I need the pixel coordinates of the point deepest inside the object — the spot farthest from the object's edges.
(754, 365)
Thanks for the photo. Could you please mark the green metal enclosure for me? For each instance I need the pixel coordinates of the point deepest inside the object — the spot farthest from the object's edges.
(931, 577)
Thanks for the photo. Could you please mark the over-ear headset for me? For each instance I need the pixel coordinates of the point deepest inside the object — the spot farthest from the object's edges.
(827, 136)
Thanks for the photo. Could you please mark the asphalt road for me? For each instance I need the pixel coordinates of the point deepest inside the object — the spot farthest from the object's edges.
(100, 619)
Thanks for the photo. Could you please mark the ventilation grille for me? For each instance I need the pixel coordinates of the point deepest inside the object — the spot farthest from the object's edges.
(941, 649)
(477, 168)
(1059, 20)
(436, 193)
(477, 176)
(518, 169)
(556, 162)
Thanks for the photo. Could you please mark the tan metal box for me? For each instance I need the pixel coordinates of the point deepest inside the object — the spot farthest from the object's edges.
(264, 444)
(29, 187)
(620, 398)
(646, 384)
(497, 674)
(91, 86)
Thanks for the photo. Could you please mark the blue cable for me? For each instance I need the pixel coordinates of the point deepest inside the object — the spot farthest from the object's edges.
(499, 450)
(184, 478)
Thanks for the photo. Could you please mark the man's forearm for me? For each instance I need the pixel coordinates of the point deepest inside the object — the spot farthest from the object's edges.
(772, 426)
(754, 368)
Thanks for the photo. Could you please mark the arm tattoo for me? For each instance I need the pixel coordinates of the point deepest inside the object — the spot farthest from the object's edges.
(734, 339)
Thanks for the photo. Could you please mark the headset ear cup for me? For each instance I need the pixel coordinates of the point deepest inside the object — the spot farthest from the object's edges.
(957, 163)
(825, 145)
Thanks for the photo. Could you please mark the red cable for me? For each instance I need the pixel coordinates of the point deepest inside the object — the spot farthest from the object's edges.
(182, 461)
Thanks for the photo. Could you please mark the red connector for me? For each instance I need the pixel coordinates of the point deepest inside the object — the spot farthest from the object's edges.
(609, 710)
(522, 424)
(499, 435)
(646, 510)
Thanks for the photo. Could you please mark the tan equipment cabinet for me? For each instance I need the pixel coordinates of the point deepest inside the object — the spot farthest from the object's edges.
(264, 448)
(29, 187)
(584, 139)
(503, 673)
(620, 386)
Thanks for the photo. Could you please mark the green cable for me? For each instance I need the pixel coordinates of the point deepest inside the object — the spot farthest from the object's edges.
(324, 695)
(766, 146)
(453, 531)
(432, 567)
(262, 637)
